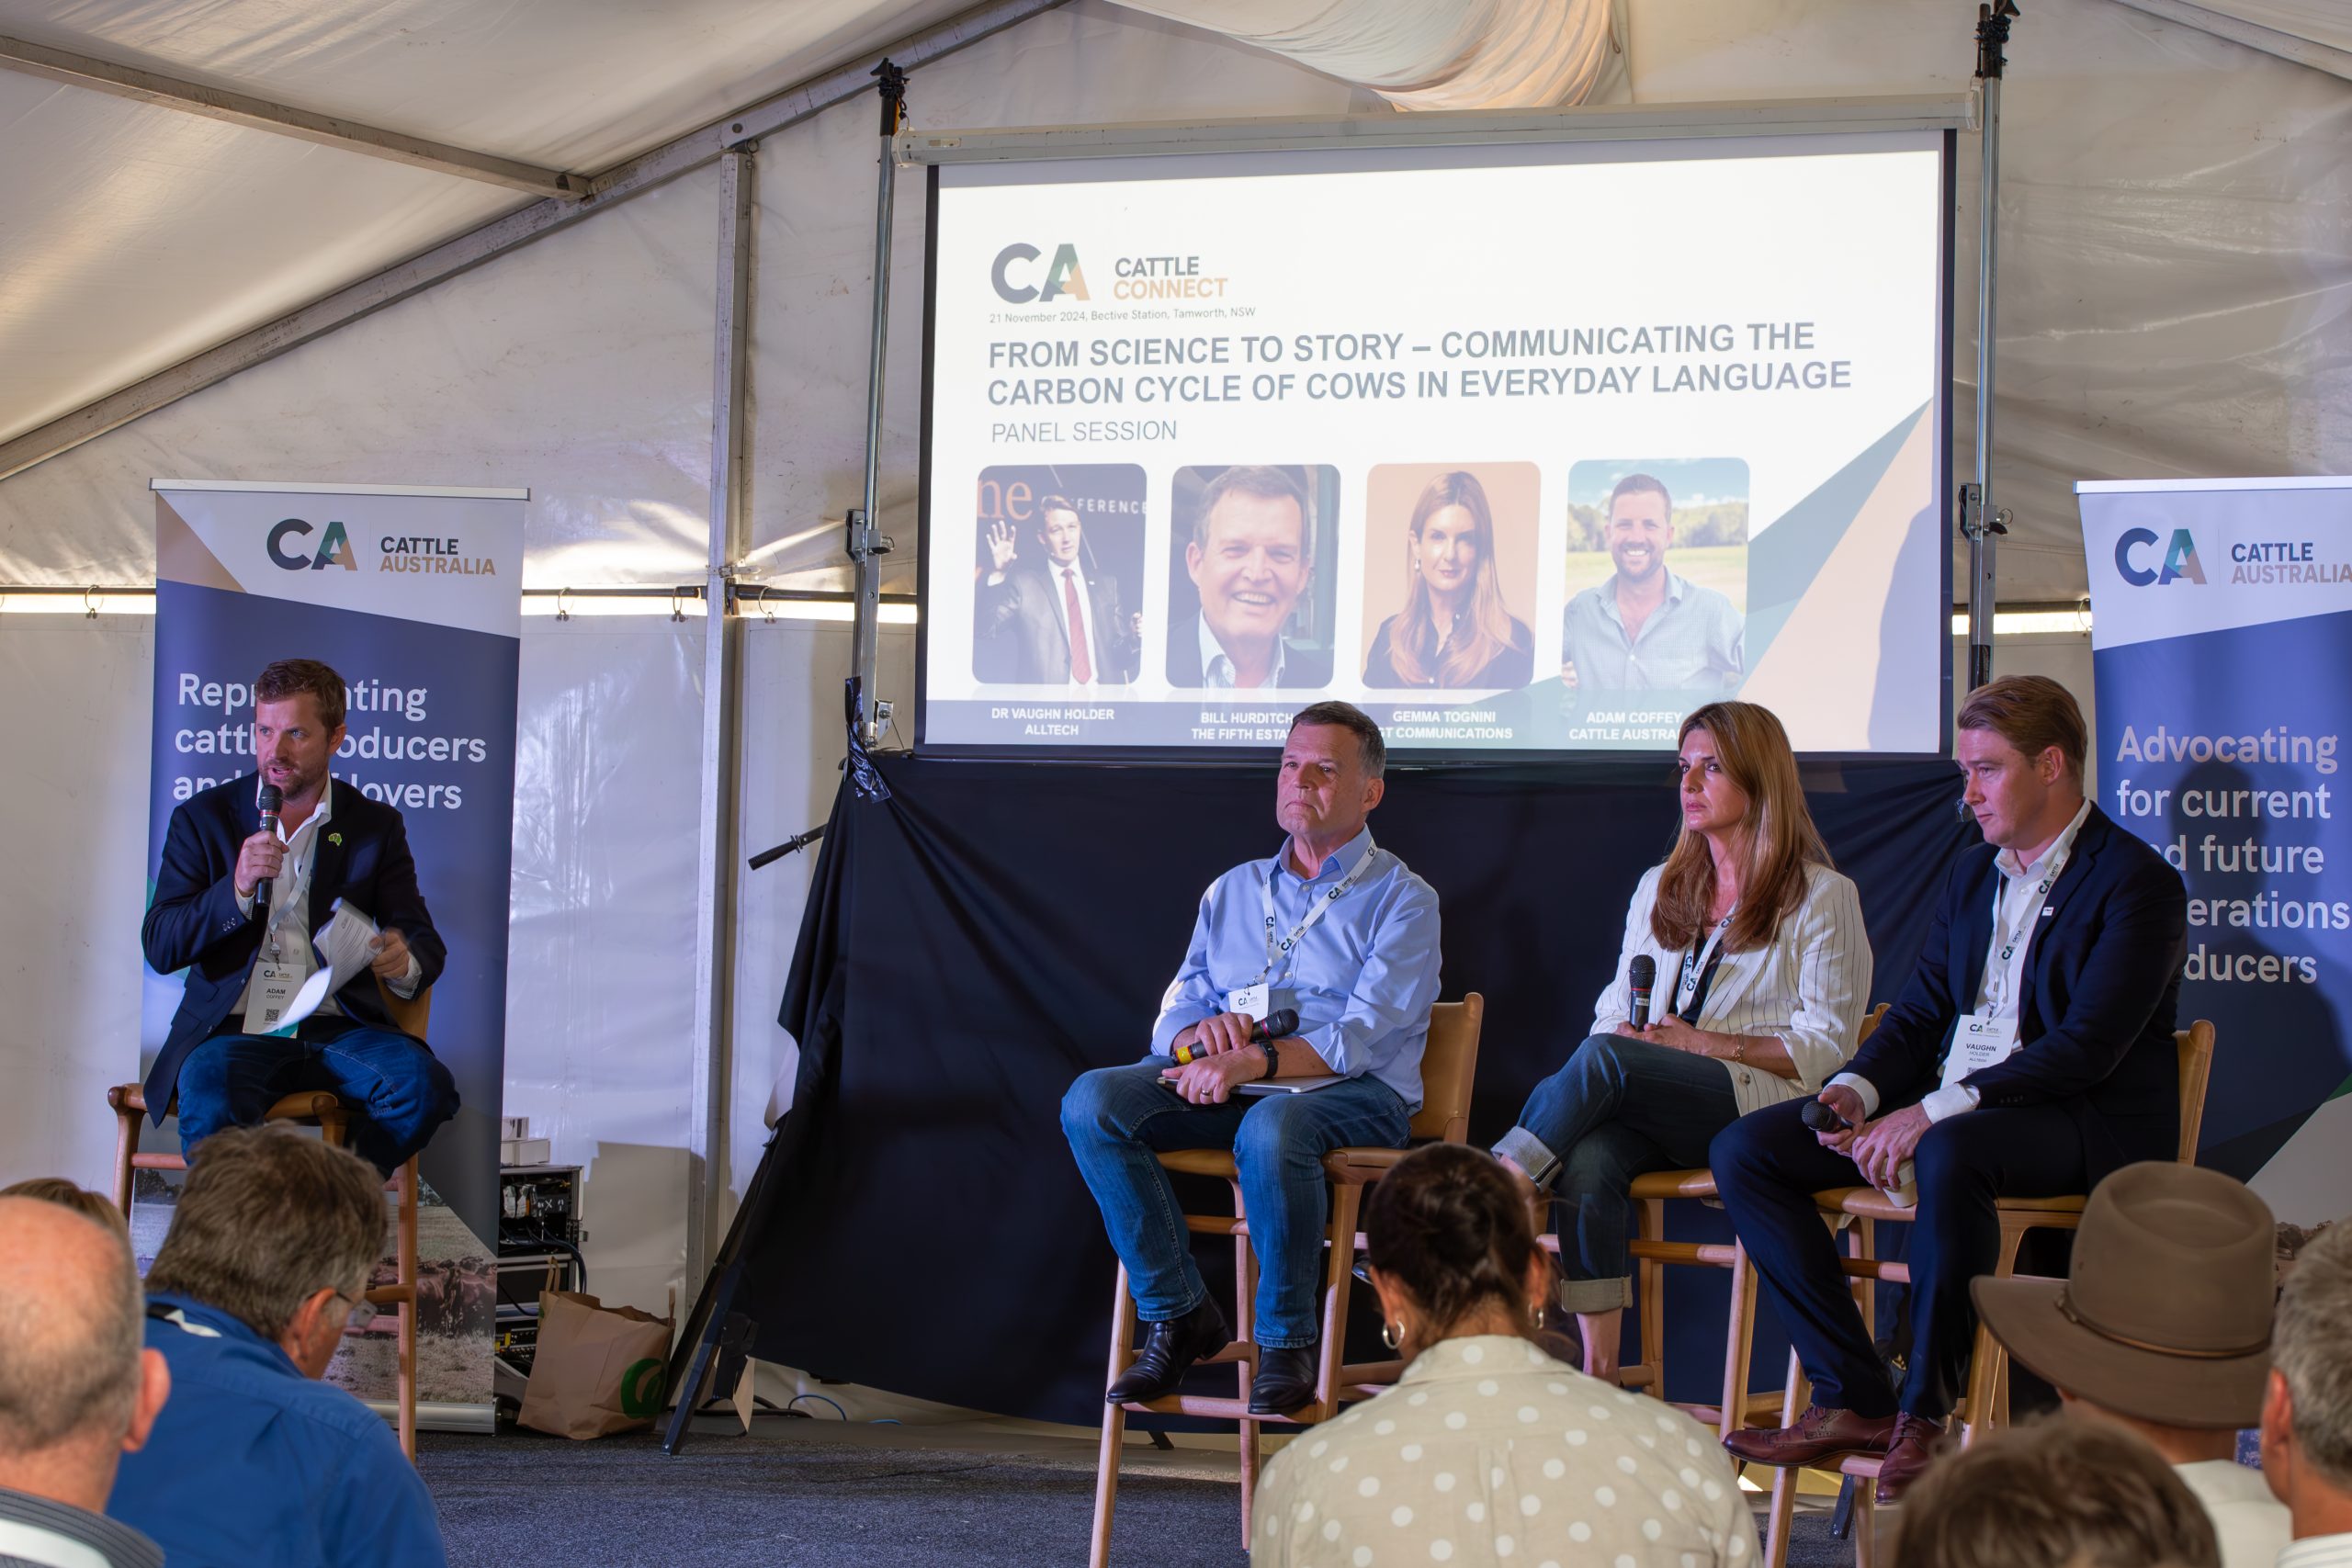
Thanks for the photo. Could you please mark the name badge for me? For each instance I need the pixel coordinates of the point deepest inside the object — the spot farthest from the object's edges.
(1252, 1003)
(273, 993)
(1978, 1041)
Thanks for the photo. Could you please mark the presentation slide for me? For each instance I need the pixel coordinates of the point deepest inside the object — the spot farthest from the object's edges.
(1523, 449)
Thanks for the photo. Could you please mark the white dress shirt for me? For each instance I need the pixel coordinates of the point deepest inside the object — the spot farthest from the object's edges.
(2318, 1552)
(1217, 667)
(288, 932)
(1489, 1452)
(2253, 1525)
(2014, 913)
(1808, 986)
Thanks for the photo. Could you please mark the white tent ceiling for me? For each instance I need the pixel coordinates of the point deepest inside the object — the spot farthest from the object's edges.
(2177, 224)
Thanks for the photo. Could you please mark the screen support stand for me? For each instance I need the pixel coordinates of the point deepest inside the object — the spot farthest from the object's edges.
(1980, 520)
(866, 543)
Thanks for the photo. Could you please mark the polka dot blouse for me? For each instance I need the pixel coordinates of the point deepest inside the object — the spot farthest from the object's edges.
(1489, 1451)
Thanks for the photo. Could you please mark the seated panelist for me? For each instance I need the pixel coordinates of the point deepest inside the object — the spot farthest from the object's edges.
(1762, 969)
(2029, 1055)
(236, 904)
(1337, 931)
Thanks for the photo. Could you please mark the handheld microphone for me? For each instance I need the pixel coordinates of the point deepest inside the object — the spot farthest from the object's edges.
(271, 797)
(1821, 1118)
(1642, 975)
(1279, 1024)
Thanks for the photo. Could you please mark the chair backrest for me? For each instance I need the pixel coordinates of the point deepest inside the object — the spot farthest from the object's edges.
(410, 1014)
(1448, 1064)
(2196, 1046)
(1869, 1026)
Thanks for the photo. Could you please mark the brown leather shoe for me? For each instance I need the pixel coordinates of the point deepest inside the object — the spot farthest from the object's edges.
(1917, 1442)
(1820, 1433)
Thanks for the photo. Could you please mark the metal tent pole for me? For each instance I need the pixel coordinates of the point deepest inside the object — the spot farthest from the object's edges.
(722, 679)
(1980, 520)
(868, 544)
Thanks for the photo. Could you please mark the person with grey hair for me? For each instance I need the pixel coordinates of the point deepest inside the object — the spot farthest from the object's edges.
(1356, 973)
(2306, 1405)
(257, 1463)
(76, 1392)
(1250, 556)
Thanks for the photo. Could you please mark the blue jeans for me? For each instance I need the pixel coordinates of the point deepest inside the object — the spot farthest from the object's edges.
(1621, 1107)
(1116, 1118)
(404, 1092)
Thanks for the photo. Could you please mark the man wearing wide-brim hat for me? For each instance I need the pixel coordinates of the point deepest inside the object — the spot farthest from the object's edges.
(2162, 1325)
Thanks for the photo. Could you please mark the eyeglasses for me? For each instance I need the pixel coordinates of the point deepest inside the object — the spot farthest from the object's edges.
(363, 1312)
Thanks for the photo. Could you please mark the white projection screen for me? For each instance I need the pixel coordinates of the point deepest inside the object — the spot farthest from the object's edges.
(1528, 450)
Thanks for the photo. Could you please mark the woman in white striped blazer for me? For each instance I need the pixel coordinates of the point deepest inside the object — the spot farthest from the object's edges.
(1763, 971)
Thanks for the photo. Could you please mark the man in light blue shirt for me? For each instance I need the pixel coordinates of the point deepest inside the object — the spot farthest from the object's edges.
(1646, 629)
(1336, 929)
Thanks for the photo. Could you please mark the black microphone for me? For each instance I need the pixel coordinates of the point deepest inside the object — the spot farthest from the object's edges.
(1642, 974)
(1822, 1117)
(271, 797)
(1279, 1024)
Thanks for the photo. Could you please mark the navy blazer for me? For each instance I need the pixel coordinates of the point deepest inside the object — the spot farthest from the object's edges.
(2096, 1012)
(193, 923)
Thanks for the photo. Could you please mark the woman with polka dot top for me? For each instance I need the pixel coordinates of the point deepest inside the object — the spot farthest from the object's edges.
(1487, 1450)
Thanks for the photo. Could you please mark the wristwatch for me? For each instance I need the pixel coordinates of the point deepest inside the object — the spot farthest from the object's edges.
(1272, 1061)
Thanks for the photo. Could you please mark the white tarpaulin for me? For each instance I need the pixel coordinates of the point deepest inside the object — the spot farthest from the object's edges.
(2178, 298)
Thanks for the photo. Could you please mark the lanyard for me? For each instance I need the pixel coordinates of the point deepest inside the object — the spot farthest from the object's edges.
(2004, 939)
(1692, 989)
(1277, 951)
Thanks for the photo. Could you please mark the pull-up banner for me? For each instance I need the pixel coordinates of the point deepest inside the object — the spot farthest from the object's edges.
(413, 595)
(2221, 645)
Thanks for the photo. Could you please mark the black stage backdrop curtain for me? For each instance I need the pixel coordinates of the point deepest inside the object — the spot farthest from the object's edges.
(990, 930)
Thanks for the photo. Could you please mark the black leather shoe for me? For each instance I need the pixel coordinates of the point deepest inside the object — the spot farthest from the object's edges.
(1169, 1348)
(1286, 1380)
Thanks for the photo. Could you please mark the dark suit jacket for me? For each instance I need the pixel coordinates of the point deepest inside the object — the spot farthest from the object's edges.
(1302, 667)
(1026, 611)
(2095, 1015)
(194, 922)
(1510, 668)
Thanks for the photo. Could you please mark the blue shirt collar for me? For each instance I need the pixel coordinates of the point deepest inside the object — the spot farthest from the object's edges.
(1674, 587)
(1339, 862)
(210, 1323)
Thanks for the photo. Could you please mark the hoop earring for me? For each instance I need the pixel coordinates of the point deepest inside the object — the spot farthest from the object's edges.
(1536, 1313)
(1393, 1335)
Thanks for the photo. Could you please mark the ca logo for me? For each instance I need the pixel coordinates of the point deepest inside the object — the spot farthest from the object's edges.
(335, 548)
(1062, 277)
(2180, 558)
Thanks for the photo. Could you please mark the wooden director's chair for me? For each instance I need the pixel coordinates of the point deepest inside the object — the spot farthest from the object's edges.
(1448, 1065)
(1985, 1403)
(326, 1112)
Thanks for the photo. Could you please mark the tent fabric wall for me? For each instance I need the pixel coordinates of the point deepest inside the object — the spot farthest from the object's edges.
(2175, 241)
(2177, 298)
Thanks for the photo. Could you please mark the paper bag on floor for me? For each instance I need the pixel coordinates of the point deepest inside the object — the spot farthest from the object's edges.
(597, 1371)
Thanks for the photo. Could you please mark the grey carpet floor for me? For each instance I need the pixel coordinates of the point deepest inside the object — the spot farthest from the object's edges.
(520, 1500)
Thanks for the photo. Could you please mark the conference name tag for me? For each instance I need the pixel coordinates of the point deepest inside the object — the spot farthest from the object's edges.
(1978, 1041)
(274, 993)
(1252, 1003)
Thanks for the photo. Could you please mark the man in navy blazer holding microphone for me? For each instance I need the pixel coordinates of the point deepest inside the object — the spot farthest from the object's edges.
(2029, 1055)
(247, 952)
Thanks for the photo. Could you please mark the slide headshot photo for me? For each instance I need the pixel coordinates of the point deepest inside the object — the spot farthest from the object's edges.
(1657, 576)
(1253, 592)
(1449, 575)
(1057, 569)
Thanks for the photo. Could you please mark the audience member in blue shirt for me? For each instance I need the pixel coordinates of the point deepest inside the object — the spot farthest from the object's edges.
(1337, 930)
(255, 1463)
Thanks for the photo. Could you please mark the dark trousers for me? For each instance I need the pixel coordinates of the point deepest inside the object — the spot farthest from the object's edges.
(402, 1090)
(1768, 1165)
